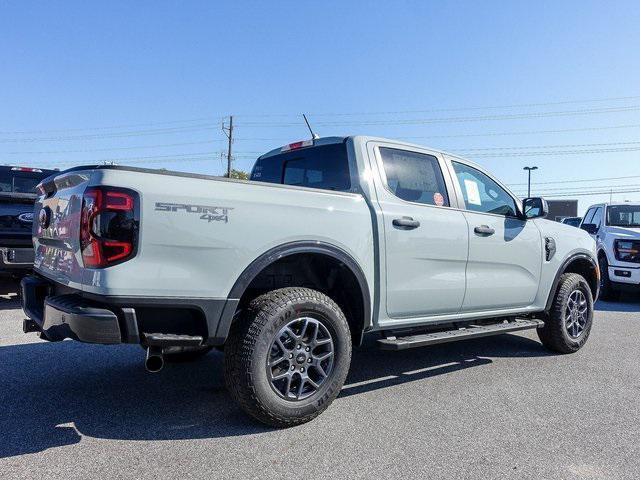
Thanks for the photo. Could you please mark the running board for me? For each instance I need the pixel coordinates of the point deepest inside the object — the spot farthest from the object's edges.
(472, 331)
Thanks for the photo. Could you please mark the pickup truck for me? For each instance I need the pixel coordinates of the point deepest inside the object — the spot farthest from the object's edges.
(616, 230)
(17, 195)
(330, 240)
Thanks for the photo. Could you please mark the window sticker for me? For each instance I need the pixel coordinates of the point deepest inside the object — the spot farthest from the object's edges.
(438, 199)
(473, 193)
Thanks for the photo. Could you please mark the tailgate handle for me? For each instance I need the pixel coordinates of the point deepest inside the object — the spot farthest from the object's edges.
(484, 230)
(406, 222)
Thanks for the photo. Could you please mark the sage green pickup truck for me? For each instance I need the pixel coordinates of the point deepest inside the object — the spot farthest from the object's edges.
(330, 241)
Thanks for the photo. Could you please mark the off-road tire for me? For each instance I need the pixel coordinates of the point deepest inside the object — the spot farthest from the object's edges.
(249, 345)
(185, 354)
(554, 334)
(608, 291)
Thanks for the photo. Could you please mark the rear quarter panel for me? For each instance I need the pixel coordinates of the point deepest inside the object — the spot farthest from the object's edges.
(198, 235)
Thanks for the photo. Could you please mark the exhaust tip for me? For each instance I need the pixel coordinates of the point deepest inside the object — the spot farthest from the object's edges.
(154, 361)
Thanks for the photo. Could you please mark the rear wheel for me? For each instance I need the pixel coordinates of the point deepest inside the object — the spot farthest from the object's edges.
(287, 358)
(608, 291)
(568, 325)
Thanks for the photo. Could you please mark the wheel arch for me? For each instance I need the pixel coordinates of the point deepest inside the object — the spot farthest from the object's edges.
(582, 264)
(358, 309)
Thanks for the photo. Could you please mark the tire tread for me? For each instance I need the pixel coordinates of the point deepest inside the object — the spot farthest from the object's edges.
(240, 346)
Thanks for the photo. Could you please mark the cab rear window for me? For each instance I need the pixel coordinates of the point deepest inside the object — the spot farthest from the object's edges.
(18, 182)
(325, 167)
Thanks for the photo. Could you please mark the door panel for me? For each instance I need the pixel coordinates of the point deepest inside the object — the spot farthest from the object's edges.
(505, 252)
(504, 268)
(426, 242)
(425, 265)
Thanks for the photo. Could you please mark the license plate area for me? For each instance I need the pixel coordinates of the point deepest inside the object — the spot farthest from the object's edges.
(18, 256)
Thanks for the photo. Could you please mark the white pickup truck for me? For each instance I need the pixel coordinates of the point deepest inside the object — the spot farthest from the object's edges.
(616, 230)
(331, 239)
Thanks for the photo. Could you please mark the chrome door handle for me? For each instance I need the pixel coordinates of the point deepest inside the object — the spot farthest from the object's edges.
(484, 230)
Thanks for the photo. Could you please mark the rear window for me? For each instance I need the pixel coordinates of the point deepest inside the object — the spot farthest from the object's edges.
(20, 182)
(324, 166)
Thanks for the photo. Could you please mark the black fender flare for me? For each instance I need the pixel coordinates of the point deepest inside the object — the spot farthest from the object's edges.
(293, 248)
(562, 270)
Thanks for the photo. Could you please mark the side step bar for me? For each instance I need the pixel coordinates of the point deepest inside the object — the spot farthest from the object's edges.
(472, 331)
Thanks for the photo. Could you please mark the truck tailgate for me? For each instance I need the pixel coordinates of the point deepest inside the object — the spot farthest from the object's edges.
(56, 228)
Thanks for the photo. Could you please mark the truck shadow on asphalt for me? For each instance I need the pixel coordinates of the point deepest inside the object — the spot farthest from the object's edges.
(53, 393)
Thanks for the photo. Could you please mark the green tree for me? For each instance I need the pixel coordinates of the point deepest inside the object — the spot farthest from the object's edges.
(239, 174)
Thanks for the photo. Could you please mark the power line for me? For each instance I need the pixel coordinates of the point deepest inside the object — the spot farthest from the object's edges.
(583, 194)
(568, 189)
(578, 181)
(573, 145)
(112, 127)
(100, 136)
(558, 152)
(217, 118)
(469, 135)
(112, 149)
(150, 157)
(450, 109)
(420, 121)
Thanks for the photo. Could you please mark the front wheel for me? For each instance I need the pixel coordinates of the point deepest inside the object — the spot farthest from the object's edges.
(607, 289)
(288, 356)
(569, 322)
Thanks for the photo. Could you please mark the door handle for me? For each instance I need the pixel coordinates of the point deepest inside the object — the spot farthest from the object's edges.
(406, 222)
(484, 230)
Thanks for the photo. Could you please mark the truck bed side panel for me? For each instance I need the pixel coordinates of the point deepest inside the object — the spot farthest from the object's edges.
(198, 235)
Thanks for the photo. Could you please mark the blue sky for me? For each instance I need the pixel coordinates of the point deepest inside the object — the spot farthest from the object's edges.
(148, 82)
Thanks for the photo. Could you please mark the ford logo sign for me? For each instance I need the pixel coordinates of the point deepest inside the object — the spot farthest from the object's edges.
(44, 217)
(26, 217)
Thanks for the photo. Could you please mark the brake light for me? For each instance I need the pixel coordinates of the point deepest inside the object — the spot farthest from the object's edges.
(26, 169)
(108, 226)
(297, 145)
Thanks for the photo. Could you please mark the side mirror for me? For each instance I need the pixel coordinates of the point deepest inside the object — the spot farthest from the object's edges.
(535, 207)
(590, 228)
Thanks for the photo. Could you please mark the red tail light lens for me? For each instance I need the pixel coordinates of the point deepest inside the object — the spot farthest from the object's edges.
(109, 226)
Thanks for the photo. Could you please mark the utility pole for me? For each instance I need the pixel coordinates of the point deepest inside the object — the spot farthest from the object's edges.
(529, 181)
(228, 131)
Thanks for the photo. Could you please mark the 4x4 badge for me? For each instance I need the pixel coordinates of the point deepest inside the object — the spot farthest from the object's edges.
(208, 213)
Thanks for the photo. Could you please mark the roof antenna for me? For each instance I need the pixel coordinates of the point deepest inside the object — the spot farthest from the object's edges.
(314, 136)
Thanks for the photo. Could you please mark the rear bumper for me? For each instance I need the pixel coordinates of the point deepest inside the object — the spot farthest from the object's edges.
(68, 315)
(16, 259)
(58, 313)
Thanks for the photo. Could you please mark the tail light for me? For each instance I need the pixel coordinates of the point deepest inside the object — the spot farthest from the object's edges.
(108, 226)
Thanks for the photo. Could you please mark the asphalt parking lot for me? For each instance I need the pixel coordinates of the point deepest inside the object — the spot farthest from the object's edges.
(501, 407)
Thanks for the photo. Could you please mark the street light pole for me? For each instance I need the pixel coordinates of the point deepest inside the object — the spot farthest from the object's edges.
(529, 181)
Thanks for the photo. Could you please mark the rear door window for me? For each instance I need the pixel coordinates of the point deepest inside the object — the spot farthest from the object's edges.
(325, 167)
(414, 177)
